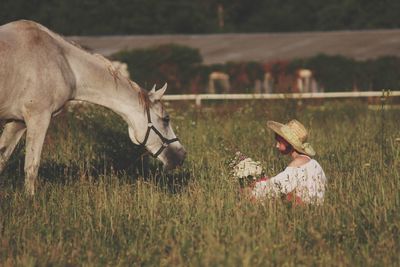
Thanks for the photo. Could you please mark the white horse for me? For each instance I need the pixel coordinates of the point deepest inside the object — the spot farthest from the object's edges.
(40, 72)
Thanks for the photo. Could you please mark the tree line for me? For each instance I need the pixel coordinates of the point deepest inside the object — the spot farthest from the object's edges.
(108, 17)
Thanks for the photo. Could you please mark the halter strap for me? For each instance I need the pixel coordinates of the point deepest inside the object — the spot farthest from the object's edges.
(150, 127)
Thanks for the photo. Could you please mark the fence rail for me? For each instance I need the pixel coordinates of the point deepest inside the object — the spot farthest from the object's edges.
(198, 98)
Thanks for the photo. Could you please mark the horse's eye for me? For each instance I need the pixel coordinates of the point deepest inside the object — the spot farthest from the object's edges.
(166, 119)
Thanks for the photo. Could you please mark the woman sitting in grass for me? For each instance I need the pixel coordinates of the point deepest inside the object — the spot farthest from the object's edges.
(303, 181)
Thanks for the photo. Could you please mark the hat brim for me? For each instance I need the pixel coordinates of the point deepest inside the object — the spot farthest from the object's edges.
(277, 128)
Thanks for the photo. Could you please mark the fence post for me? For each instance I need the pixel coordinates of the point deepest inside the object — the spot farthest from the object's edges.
(198, 101)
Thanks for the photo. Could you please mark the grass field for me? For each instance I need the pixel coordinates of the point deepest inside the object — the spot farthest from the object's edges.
(94, 208)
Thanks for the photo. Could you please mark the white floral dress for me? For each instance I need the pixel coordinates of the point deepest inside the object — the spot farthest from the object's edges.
(307, 182)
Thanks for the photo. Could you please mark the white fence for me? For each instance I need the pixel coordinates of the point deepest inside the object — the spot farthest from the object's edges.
(198, 98)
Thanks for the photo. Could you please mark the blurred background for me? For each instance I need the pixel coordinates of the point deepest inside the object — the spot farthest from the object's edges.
(210, 46)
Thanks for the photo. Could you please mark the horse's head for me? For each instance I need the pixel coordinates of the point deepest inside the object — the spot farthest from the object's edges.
(154, 131)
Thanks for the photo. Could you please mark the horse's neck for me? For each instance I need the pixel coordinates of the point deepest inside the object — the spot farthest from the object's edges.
(98, 84)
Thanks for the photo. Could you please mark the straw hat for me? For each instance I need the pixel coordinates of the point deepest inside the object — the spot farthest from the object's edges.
(295, 134)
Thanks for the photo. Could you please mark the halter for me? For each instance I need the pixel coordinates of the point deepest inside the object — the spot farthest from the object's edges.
(150, 127)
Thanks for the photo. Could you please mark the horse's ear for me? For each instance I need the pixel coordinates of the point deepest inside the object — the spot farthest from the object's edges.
(157, 95)
(153, 90)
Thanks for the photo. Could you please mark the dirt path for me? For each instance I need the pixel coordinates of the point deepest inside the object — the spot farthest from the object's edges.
(263, 47)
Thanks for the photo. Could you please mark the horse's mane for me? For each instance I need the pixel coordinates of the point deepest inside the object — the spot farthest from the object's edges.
(143, 94)
(144, 99)
(110, 67)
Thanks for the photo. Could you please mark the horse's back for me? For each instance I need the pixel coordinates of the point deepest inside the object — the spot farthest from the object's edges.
(27, 37)
(33, 68)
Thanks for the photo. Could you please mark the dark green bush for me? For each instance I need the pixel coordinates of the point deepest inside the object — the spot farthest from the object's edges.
(338, 73)
(175, 64)
(382, 73)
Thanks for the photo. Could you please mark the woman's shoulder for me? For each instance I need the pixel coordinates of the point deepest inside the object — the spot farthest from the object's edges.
(299, 161)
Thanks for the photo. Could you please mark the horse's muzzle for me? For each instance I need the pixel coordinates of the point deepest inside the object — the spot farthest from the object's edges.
(174, 157)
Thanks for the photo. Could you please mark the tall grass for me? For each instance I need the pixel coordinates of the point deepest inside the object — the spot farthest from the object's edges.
(95, 208)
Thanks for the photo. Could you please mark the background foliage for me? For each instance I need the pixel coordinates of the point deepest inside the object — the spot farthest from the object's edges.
(174, 64)
(95, 17)
(181, 67)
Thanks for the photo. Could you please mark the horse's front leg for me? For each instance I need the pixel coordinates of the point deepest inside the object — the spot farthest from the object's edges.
(10, 137)
(37, 126)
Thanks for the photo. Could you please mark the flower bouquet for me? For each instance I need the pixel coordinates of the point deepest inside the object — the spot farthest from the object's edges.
(245, 169)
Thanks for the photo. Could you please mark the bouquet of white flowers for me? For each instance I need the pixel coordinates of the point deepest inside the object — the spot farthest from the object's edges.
(245, 169)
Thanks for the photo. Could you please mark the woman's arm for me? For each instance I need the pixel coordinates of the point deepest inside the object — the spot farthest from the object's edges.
(283, 183)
